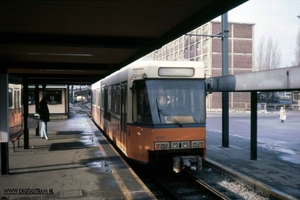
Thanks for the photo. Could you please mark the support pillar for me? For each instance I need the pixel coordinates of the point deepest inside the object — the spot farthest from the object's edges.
(4, 124)
(36, 99)
(253, 128)
(25, 110)
(225, 120)
(69, 98)
(225, 100)
(4, 158)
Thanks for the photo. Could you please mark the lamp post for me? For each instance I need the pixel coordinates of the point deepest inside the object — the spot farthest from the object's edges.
(299, 47)
(225, 96)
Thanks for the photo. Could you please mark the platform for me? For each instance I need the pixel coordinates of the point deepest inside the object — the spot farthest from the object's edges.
(277, 167)
(77, 162)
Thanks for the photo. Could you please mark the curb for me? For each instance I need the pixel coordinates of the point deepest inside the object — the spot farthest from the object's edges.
(255, 185)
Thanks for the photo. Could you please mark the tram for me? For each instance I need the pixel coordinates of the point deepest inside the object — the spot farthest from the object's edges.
(15, 111)
(155, 112)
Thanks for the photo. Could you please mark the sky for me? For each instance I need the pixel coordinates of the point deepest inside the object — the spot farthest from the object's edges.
(272, 18)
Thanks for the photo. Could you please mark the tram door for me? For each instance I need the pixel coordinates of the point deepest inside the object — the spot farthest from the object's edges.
(105, 108)
(123, 114)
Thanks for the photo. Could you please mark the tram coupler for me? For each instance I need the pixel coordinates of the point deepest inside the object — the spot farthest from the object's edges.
(191, 162)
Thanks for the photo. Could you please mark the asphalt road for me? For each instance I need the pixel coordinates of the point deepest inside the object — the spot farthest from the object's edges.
(272, 134)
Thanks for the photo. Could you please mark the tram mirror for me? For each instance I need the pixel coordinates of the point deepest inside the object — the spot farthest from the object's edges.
(133, 88)
(209, 86)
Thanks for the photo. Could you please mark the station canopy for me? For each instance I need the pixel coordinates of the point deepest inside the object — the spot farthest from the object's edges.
(80, 42)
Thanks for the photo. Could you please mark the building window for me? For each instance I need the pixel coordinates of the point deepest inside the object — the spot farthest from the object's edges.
(198, 49)
(186, 40)
(180, 54)
(186, 53)
(296, 96)
(192, 51)
(205, 28)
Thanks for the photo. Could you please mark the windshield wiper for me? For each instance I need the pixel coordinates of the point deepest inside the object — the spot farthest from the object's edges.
(158, 110)
(165, 114)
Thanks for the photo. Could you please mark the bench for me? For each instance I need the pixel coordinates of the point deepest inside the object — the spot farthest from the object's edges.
(15, 137)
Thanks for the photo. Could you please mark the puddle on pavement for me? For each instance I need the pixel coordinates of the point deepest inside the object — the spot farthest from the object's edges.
(291, 158)
(100, 166)
(89, 139)
(98, 153)
(289, 155)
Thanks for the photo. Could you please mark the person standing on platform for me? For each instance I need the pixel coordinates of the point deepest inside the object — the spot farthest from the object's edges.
(282, 114)
(44, 117)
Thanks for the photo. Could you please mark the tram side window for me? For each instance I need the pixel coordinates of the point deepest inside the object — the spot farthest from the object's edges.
(114, 99)
(94, 96)
(102, 98)
(109, 99)
(98, 98)
(118, 99)
(17, 99)
(143, 111)
(10, 97)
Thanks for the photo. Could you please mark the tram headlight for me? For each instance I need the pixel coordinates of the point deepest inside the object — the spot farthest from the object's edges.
(185, 145)
(161, 145)
(175, 145)
(180, 145)
(198, 144)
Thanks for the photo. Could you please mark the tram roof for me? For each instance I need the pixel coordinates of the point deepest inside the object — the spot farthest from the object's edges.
(80, 42)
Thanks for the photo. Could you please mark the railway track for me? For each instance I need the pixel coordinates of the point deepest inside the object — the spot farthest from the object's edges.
(205, 184)
(186, 186)
(190, 184)
(166, 185)
(216, 183)
(82, 108)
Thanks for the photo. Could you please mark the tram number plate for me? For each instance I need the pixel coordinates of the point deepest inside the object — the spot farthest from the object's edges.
(160, 137)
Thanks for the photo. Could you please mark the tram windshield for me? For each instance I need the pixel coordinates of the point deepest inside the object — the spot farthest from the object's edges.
(170, 101)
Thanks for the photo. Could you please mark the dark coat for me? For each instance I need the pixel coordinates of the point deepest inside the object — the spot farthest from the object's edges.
(44, 111)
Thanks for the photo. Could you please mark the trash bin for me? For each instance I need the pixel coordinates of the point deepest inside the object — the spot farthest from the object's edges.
(33, 121)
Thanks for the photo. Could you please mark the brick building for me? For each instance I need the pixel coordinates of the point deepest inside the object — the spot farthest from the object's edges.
(209, 50)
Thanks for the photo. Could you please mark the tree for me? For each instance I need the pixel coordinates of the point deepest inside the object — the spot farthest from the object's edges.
(297, 52)
(269, 55)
